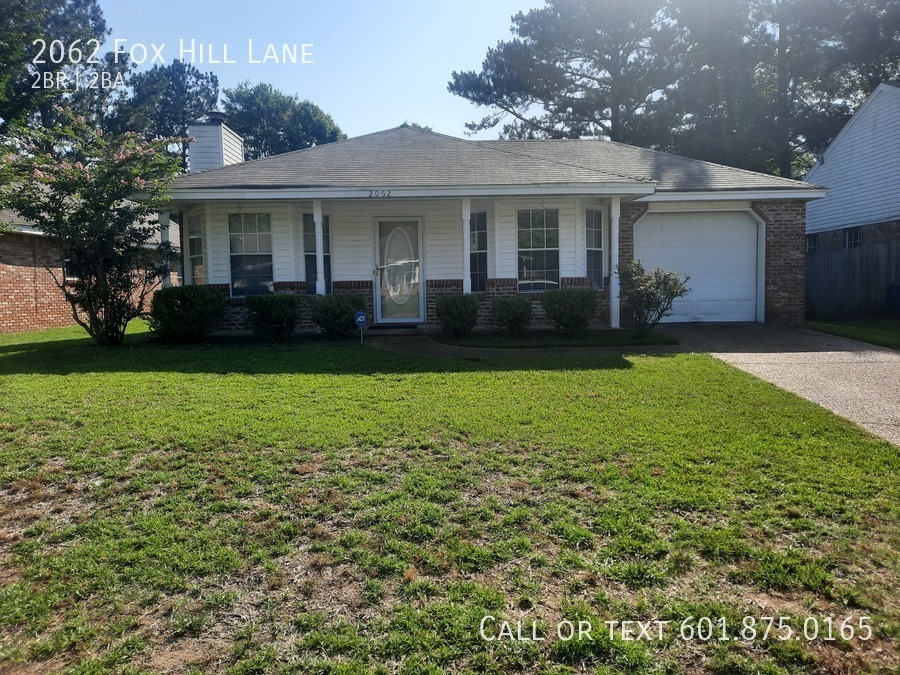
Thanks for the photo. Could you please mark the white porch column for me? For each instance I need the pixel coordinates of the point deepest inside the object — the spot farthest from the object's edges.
(614, 208)
(320, 246)
(164, 220)
(467, 244)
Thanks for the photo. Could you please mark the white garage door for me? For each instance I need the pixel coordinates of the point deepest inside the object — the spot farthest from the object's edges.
(717, 250)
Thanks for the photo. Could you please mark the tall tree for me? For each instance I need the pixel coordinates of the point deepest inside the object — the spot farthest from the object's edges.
(722, 115)
(578, 68)
(272, 122)
(87, 208)
(22, 66)
(166, 99)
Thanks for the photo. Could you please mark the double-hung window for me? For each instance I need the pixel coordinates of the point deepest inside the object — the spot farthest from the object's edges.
(851, 237)
(250, 236)
(478, 259)
(196, 271)
(812, 243)
(593, 229)
(309, 252)
(538, 234)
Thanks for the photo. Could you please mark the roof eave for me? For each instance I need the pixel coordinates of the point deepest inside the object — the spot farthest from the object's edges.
(377, 192)
(761, 194)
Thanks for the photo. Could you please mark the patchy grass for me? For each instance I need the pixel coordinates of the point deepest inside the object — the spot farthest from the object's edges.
(544, 339)
(318, 508)
(882, 331)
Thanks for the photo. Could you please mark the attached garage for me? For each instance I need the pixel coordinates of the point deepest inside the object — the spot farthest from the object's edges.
(720, 253)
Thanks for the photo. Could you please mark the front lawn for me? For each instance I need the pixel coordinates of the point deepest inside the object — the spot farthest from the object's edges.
(553, 339)
(318, 508)
(881, 331)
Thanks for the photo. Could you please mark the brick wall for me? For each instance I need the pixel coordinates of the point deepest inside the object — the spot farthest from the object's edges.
(785, 259)
(876, 233)
(29, 298)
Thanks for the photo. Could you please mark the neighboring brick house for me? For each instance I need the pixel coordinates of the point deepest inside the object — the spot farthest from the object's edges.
(405, 215)
(853, 234)
(29, 297)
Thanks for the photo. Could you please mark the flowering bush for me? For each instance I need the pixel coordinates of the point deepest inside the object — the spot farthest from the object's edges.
(649, 294)
(97, 200)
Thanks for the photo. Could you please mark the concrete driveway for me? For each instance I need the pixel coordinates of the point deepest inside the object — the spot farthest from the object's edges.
(854, 379)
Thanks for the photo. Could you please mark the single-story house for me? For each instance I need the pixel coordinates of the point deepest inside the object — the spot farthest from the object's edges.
(405, 215)
(853, 234)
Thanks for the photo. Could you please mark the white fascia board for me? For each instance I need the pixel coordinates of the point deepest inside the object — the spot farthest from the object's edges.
(731, 195)
(25, 229)
(247, 194)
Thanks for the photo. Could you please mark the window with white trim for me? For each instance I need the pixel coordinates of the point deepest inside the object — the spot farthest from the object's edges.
(196, 271)
(478, 260)
(812, 243)
(852, 237)
(593, 230)
(309, 252)
(538, 238)
(250, 237)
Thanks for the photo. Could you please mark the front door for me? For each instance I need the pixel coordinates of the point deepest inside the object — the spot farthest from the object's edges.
(399, 283)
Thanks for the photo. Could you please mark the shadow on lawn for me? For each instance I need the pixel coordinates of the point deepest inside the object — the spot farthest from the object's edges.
(142, 354)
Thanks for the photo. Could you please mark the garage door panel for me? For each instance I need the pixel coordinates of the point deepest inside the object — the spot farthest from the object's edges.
(718, 252)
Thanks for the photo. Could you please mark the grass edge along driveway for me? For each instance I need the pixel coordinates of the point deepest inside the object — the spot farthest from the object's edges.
(333, 508)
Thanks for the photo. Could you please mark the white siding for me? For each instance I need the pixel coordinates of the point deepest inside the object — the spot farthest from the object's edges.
(232, 147)
(861, 168)
(352, 226)
(214, 146)
(353, 235)
(205, 151)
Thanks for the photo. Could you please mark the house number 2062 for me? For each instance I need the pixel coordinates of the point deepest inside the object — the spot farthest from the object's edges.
(379, 193)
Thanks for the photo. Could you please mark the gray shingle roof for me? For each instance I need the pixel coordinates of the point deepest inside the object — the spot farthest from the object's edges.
(409, 157)
(673, 173)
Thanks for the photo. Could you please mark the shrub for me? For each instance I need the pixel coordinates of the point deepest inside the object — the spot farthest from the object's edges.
(334, 314)
(272, 317)
(457, 314)
(511, 315)
(570, 309)
(649, 294)
(186, 313)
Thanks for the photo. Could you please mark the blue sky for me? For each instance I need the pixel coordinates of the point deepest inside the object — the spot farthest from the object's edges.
(375, 64)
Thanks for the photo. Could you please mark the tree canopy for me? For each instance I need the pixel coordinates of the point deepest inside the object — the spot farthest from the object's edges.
(84, 202)
(272, 122)
(761, 84)
(21, 23)
(165, 100)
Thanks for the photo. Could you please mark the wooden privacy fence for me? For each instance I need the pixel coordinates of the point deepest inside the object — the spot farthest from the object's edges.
(852, 282)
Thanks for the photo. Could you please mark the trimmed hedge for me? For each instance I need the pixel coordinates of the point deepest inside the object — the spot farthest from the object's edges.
(456, 314)
(511, 314)
(335, 314)
(272, 317)
(186, 313)
(570, 309)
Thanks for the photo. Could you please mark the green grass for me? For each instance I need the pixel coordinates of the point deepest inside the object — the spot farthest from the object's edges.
(543, 339)
(334, 508)
(881, 331)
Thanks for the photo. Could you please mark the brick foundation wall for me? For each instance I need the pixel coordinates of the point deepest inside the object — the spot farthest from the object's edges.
(29, 298)
(497, 288)
(785, 259)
